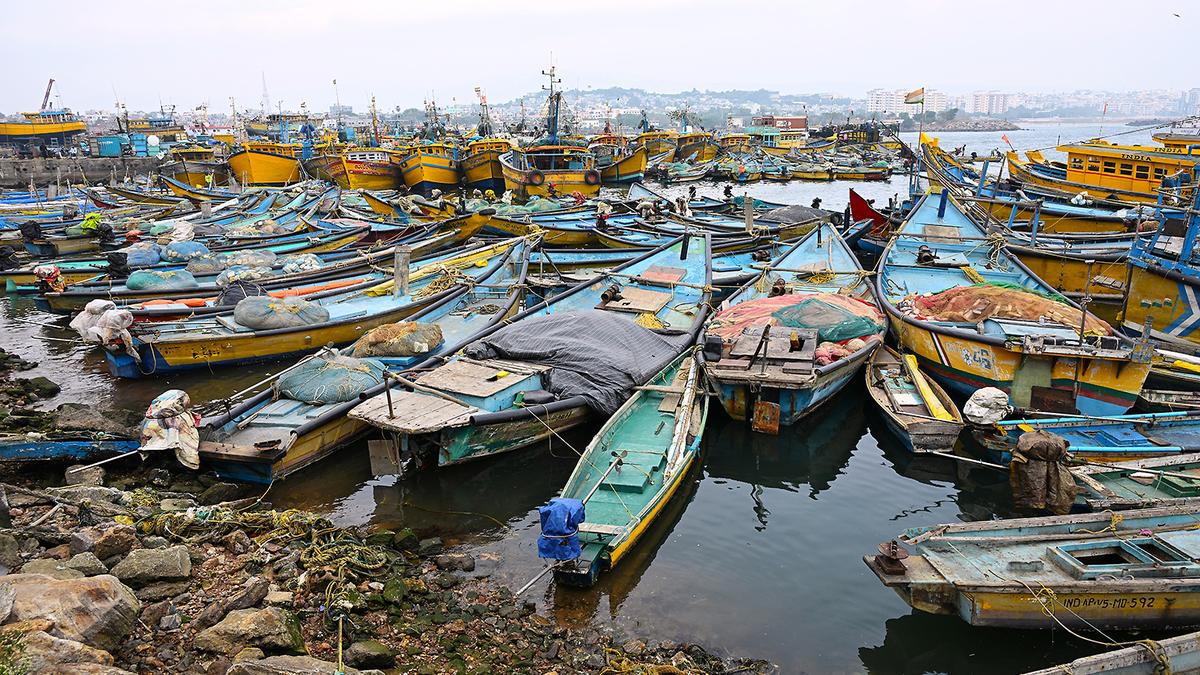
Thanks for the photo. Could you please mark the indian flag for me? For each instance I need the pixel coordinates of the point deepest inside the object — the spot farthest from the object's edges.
(915, 96)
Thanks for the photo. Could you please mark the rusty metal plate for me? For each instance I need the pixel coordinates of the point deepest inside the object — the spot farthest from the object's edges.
(766, 418)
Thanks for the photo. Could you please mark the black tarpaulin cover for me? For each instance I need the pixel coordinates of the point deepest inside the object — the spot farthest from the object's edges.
(595, 354)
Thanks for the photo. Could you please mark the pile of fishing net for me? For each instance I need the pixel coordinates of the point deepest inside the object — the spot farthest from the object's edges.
(304, 262)
(263, 228)
(243, 273)
(268, 313)
(330, 378)
(405, 338)
(207, 263)
(142, 254)
(252, 258)
(836, 318)
(165, 280)
(238, 291)
(183, 251)
(973, 304)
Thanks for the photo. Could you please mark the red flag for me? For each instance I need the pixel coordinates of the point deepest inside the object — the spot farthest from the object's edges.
(1004, 137)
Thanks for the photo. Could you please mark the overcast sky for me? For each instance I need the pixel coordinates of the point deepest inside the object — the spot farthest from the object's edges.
(404, 51)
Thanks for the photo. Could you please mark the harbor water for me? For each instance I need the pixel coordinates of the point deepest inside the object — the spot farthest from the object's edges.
(759, 556)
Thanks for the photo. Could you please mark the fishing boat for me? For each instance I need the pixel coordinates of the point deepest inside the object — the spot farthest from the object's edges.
(1139, 483)
(194, 194)
(1177, 654)
(265, 437)
(358, 168)
(1163, 294)
(657, 143)
(551, 165)
(796, 335)
(619, 164)
(514, 387)
(63, 446)
(209, 341)
(1112, 438)
(266, 163)
(917, 411)
(696, 147)
(195, 166)
(1095, 571)
(632, 468)
(1130, 173)
(481, 163)
(47, 126)
(429, 166)
(975, 317)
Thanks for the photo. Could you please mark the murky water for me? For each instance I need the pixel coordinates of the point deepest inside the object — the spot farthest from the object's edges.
(760, 555)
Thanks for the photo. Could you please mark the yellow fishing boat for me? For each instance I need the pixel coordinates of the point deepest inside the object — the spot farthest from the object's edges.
(619, 163)
(1106, 170)
(51, 127)
(195, 165)
(696, 147)
(657, 143)
(265, 163)
(812, 173)
(358, 168)
(733, 142)
(481, 163)
(544, 170)
(431, 166)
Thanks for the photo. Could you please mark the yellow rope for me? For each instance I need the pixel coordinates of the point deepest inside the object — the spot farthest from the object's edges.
(972, 274)
(1115, 520)
(648, 320)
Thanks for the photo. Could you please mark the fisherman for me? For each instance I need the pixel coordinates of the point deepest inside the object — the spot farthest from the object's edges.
(691, 193)
(816, 202)
(603, 210)
(476, 194)
(552, 190)
(728, 192)
(682, 208)
(645, 209)
(578, 197)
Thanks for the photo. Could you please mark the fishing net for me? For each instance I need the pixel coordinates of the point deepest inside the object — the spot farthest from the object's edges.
(973, 304)
(267, 313)
(304, 262)
(243, 273)
(182, 251)
(257, 258)
(405, 338)
(238, 291)
(143, 254)
(836, 318)
(330, 378)
(152, 280)
(208, 263)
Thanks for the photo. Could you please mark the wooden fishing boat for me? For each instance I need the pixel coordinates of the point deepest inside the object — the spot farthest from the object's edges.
(194, 194)
(1179, 654)
(205, 342)
(859, 173)
(633, 467)
(1113, 438)
(195, 166)
(812, 172)
(358, 168)
(264, 437)
(1133, 173)
(431, 166)
(473, 407)
(63, 446)
(917, 411)
(481, 164)
(1040, 348)
(548, 168)
(54, 128)
(623, 167)
(266, 163)
(144, 196)
(1139, 483)
(386, 204)
(769, 331)
(1093, 571)
(1163, 294)
(696, 147)
(658, 144)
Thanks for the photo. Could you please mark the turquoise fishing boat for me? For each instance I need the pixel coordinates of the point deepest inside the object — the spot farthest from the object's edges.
(789, 340)
(1114, 438)
(269, 435)
(554, 365)
(1139, 483)
(1095, 571)
(629, 472)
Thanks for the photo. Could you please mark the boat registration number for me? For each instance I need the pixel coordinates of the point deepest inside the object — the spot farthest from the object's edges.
(1094, 602)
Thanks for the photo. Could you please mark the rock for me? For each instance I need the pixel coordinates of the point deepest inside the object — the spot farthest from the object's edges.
(161, 590)
(219, 492)
(370, 654)
(394, 590)
(60, 552)
(97, 611)
(159, 477)
(78, 475)
(219, 665)
(238, 542)
(85, 417)
(10, 551)
(249, 654)
(154, 613)
(173, 504)
(44, 652)
(634, 647)
(44, 387)
(379, 538)
(429, 546)
(211, 615)
(83, 541)
(287, 665)
(95, 493)
(271, 629)
(145, 565)
(405, 540)
(117, 540)
(279, 598)
(85, 669)
(88, 563)
(253, 592)
(155, 542)
(52, 568)
(170, 622)
(459, 562)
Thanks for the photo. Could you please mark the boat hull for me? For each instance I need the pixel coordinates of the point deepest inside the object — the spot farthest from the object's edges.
(254, 167)
(626, 169)
(424, 172)
(482, 170)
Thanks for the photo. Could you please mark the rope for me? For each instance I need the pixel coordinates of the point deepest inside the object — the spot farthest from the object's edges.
(648, 320)
(1115, 519)
(972, 274)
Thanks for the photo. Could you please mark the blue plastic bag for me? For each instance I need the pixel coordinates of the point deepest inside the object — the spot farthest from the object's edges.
(560, 529)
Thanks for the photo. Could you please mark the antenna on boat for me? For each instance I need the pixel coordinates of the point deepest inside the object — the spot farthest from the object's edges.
(552, 102)
(338, 102)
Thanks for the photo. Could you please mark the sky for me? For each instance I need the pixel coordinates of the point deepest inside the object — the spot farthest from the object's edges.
(403, 52)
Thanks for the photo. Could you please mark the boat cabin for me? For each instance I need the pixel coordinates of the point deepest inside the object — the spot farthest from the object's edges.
(1129, 167)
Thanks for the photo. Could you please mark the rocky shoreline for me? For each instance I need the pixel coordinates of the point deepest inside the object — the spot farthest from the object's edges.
(151, 572)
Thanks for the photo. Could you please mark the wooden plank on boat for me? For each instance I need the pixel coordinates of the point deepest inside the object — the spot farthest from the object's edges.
(601, 528)
(638, 300)
(663, 275)
(942, 234)
(474, 378)
(412, 413)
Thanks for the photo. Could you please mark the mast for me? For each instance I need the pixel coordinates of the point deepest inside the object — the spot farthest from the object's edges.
(485, 119)
(553, 101)
(374, 124)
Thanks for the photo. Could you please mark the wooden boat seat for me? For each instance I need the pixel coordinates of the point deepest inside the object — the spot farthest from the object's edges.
(412, 412)
(601, 528)
(479, 378)
(637, 300)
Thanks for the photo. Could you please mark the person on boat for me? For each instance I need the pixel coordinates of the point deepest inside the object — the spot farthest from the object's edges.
(552, 190)
(578, 197)
(816, 202)
(682, 208)
(645, 209)
(603, 210)
(90, 223)
(476, 194)
(691, 193)
(728, 193)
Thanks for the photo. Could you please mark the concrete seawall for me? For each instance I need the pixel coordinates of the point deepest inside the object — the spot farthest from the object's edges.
(16, 173)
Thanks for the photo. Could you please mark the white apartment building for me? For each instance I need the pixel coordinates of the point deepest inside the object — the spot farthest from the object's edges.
(891, 101)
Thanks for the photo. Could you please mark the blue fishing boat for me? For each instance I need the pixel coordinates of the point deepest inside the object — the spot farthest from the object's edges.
(1138, 483)
(1113, 438)
(555, 365)
(59, 447)
(796, 335)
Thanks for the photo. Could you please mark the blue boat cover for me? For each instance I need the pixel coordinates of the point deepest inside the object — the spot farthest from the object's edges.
(560, 529)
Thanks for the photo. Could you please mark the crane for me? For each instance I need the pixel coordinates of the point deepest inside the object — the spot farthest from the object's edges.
(46, 98)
